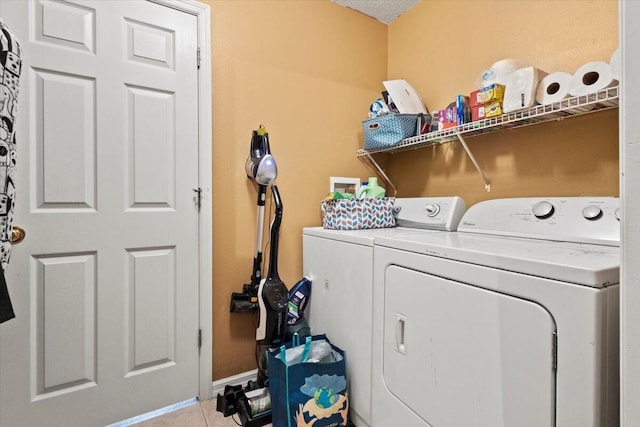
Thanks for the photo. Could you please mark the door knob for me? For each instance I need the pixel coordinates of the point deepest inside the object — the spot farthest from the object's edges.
(17, 234)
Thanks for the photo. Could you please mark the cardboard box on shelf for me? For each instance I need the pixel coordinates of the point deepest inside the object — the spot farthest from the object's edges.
(477, 112)
(487, 95)
(493, 109)
(463, 112)
(480, 112)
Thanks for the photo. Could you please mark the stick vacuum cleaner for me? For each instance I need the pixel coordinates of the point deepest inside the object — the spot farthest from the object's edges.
(261, 168)
(269, 295)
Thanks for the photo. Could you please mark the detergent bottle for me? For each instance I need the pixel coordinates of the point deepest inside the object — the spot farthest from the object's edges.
(371, 190)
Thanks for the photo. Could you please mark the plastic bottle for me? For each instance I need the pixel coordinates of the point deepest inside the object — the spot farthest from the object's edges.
(371, 190)
(299, 295)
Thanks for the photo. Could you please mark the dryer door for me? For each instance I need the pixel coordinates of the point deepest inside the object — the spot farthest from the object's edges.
(459, 355)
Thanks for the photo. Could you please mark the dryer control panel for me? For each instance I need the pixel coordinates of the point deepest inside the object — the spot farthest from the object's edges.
(594, 220)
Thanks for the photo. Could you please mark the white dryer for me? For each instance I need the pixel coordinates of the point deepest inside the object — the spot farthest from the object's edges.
(340, 266)
(510, 322)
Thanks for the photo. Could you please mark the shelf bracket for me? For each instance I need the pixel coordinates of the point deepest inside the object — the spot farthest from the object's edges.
(487, 184)
(378, 170)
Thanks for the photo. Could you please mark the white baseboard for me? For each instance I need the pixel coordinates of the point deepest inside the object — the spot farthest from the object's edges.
(153, 414)
(217, 386)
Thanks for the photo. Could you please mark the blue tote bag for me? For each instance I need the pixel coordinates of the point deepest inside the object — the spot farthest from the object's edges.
(308, 384)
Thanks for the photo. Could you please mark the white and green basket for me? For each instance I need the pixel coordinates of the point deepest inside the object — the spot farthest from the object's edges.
(358, 214)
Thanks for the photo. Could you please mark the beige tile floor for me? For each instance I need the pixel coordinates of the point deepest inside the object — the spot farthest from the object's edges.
(200, 414)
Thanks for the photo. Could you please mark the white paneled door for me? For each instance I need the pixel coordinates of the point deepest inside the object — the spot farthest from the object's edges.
(105, 284)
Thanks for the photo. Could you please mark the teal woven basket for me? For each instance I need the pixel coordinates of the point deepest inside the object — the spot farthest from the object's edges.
(388, 130)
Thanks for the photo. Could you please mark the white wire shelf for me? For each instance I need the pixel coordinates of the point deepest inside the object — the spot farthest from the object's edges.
(568, 107)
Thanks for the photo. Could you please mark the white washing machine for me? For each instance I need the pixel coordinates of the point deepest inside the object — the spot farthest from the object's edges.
(340, 265)
(510, 322)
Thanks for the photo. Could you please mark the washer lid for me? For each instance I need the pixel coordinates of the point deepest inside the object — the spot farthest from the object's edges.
(585, 264)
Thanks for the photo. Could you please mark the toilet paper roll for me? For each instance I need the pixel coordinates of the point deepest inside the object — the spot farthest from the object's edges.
(520, 91)
(553, 88)
(615, 63)
(590, 78)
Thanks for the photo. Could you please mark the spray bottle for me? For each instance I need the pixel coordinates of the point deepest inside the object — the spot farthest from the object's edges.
(299, 295)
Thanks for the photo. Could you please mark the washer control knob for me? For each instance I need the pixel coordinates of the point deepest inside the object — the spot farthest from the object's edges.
(432, 209)
(617, 214)
(542, 210)
(592, 212)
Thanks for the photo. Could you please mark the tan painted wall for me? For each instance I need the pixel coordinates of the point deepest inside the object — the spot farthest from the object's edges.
(441, 46)
(308, 71)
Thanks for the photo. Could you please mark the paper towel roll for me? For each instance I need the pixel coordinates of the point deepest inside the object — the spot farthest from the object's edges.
(590, 78)
(520, 91)
(497, 73)
(615, 63)
(553, 88)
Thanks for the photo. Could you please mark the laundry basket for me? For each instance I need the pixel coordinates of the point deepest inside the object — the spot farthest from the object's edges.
(358, 214)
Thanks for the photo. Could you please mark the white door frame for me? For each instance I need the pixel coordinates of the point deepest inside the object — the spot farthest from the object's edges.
(205, 232)
(629, 35)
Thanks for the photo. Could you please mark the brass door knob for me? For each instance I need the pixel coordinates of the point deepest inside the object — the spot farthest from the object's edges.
(17, 234)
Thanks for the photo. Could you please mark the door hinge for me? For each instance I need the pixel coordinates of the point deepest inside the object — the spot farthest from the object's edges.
(198, 56)
(199, 338)
(554, 351)
(198, 192)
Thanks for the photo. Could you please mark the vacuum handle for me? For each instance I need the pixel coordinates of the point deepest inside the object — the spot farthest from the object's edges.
(275, 234)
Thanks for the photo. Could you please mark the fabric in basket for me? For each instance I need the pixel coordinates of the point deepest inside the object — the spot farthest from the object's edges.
(387, 130)
(358, 214)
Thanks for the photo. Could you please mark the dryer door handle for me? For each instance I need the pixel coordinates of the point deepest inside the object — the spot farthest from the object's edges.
(401, 326)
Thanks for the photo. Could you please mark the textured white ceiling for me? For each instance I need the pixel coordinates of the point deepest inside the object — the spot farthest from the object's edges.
(385, 11)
